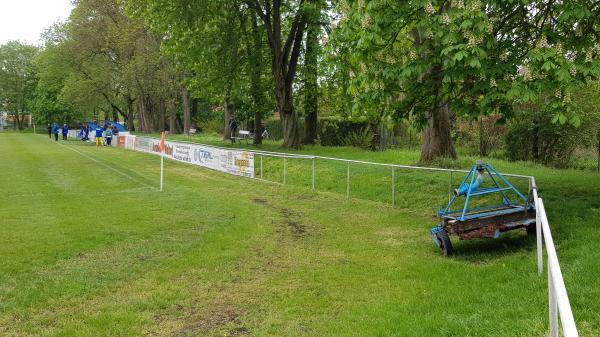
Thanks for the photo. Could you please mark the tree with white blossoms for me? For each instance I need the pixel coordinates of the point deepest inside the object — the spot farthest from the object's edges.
(436, 59)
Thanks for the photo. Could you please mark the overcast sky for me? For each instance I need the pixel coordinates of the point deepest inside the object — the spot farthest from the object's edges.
(25, 20)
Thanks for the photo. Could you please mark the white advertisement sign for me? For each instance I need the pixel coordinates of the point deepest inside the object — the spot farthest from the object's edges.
(234, 162)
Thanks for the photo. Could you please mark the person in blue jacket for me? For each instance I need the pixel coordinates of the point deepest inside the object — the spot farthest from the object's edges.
(55, 131)
(65, 131)
(99, 132)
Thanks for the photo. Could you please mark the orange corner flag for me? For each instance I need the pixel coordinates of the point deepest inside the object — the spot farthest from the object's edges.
(161, 146)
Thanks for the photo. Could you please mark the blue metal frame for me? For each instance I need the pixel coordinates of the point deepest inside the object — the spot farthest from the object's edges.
(467, 213)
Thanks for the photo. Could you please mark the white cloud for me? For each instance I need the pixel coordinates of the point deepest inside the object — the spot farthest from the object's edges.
(25, 20)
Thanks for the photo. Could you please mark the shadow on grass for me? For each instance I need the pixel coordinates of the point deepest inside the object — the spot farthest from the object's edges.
(487, 250)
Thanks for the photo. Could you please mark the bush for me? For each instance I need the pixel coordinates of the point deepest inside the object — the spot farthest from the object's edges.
(362, 138)
(210, 126)
(480, 137)
(533, 136)
(332, 131)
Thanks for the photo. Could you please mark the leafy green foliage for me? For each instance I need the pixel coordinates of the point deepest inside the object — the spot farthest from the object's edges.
(477, 56)
(17, 79)
(361, 138)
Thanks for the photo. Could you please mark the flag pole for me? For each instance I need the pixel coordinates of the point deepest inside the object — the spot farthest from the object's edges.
(162, 159)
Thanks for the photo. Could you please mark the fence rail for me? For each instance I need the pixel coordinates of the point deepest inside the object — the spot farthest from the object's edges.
(559, 308)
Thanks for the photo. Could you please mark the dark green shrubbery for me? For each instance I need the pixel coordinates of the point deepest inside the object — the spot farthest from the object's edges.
(361, 138)
(333, 131)
(534, 136)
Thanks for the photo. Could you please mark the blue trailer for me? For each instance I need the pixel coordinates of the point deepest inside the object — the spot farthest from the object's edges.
(514, 210)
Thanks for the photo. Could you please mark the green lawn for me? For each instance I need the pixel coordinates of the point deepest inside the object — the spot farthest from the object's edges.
(89, 247)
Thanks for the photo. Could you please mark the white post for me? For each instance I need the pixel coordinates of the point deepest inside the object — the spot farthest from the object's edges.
(162, 159)
(348, 182)
(313, 174)
(538, 234)
(552, 305)
(450, 188)
(284, 170)
(393, 187)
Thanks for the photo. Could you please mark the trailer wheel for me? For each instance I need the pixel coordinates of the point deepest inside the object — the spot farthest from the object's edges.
(531, 229)
(445, 243)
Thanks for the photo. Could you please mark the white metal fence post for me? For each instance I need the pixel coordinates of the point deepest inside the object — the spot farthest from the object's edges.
(313, 174)
(348, 182)
(393, 187)
(538, 234)
(552, 305)
(284, 170)
(450, 187)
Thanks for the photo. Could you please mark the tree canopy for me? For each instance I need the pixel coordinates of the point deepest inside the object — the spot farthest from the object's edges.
(358, 70)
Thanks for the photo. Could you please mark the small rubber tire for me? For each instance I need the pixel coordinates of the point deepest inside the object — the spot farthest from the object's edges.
(445, 243)
(531, 229)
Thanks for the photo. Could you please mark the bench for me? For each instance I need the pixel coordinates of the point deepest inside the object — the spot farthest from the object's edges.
(243, 135)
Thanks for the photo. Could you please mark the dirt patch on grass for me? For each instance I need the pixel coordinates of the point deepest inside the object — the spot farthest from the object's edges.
(291, 218)
(221, 320)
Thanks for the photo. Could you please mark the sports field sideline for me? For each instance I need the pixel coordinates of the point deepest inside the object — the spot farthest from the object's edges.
(90, 247)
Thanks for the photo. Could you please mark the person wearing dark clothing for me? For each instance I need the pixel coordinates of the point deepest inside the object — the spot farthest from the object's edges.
(108, 134)
(49, 131)
(55, 129)
(82, 132)
(233, 128)
(65, 131)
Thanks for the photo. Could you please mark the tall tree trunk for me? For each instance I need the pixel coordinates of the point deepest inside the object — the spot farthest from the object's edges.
(185, 97)
(437, 141)
(141, 114)
(130, 114)
(172, 114)
(255, 56)
(289, 116)
(229, 113)
(161, 116)
(285, 53)
(19, 119)
(310, 84)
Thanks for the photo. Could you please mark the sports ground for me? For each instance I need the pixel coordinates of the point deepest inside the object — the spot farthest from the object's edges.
(90, 247)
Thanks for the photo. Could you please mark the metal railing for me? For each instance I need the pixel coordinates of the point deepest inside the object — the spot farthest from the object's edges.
(559, 308)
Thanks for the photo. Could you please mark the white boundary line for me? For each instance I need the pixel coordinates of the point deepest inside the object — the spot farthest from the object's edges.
(109, 167)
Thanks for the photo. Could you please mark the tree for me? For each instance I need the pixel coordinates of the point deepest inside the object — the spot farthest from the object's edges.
(311, 70)
(285, 52)
(17, 80)
(219, 45)
(109, 64)
(437, 59)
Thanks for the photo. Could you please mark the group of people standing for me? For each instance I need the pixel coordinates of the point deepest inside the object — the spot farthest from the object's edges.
(54, 129)
(103, 135)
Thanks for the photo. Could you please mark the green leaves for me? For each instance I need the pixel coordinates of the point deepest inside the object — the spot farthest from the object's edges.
(462, 52)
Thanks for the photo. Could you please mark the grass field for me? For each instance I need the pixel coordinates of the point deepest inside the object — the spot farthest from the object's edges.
(89, 247)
